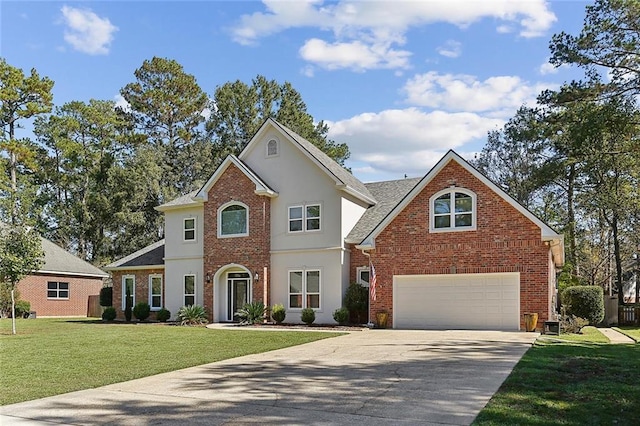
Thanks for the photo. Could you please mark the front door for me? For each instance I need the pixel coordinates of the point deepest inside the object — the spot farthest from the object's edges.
(237, 293)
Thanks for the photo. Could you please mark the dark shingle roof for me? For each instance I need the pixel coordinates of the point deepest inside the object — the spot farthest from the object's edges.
(330, 164)
(57, 259)
(388, 194)
(151, 255)
(183, 200)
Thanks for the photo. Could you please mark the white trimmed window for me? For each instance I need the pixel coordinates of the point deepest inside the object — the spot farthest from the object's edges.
(362, 276)
(189, 290)
(304, 218)
(453, 209)
(304, 289)
(128, 281)
(190, 229)
(155, 292)
(272, 148)
(57, 290)
(233, 220)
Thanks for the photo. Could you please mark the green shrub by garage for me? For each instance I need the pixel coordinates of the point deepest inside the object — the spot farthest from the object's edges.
(585, 301)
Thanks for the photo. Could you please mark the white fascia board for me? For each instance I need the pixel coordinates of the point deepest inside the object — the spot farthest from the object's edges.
(196, 203)
(134, 268)
(261, 187)
(72, 274)
(349, 190)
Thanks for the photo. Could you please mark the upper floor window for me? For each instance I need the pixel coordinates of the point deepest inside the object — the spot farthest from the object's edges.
(190, 229)
(304, 218)
(233, 220)
(272, 148)
(453, 209)
(57, 290)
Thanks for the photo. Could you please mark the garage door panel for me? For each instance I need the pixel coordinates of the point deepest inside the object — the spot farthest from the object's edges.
(464, 301)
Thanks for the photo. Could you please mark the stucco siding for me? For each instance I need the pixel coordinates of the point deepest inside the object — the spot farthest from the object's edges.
(175, 271)
(175, 244)
(329, 264)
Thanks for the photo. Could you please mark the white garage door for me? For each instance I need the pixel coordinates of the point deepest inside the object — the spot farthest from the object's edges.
(461, 301)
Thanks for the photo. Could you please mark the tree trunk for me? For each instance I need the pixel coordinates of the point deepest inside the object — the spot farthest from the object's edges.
(572, 220)
(13, 311)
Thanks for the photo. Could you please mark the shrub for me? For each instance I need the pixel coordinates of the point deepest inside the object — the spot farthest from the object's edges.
(308, 316)
(106, 296)
(5, 299)
(584, 302)
(22, 308)
(278, 313)
(251, 313)
(109, 314)
(192, 315)
(141, 311)
(163, 315)
(572, 324)
(341, 316)
(356, 300)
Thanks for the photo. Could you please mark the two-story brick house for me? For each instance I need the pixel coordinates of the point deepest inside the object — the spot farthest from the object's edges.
(283, 223)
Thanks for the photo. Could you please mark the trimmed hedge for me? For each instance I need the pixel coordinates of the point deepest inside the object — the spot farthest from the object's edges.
(585, 301)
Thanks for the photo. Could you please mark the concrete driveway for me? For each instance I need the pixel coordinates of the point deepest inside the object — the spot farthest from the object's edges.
(367, 377)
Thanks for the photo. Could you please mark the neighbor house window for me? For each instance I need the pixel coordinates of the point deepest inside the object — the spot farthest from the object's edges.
(57, 290)
(155, 291)
(189, 290)
(304, 218)
(233, 220)
(272, 148)
(453, 210)
(190, 229)
(304, 289)
(362, 276)
(128, 282)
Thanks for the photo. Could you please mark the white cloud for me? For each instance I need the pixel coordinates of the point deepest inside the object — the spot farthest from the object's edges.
(548, 68)
(374, 29)
(354, 55)
(122, 103)
(86, 31)
(461, 92)
(408, 140)
(450, 49)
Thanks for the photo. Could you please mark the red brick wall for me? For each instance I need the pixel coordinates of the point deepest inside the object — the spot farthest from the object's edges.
(142, 288)
(251, 251)
(505, 241)
(357, 259)
(33, 288)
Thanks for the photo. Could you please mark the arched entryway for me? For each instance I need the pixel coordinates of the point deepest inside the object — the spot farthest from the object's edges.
(233, 286)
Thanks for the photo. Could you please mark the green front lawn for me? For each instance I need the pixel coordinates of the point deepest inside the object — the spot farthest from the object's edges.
(575, 382)
(633, 332)
(53, 356)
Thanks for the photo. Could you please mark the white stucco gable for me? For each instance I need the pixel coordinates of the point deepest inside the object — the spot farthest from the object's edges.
(342, 179)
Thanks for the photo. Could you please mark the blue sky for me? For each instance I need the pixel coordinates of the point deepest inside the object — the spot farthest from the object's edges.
(400, 82)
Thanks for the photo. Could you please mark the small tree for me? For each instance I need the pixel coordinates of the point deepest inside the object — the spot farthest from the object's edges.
(584, 302)
(20, 253)
(106, 296)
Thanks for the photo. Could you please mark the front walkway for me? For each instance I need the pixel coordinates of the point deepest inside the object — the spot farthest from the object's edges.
(616, 337)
